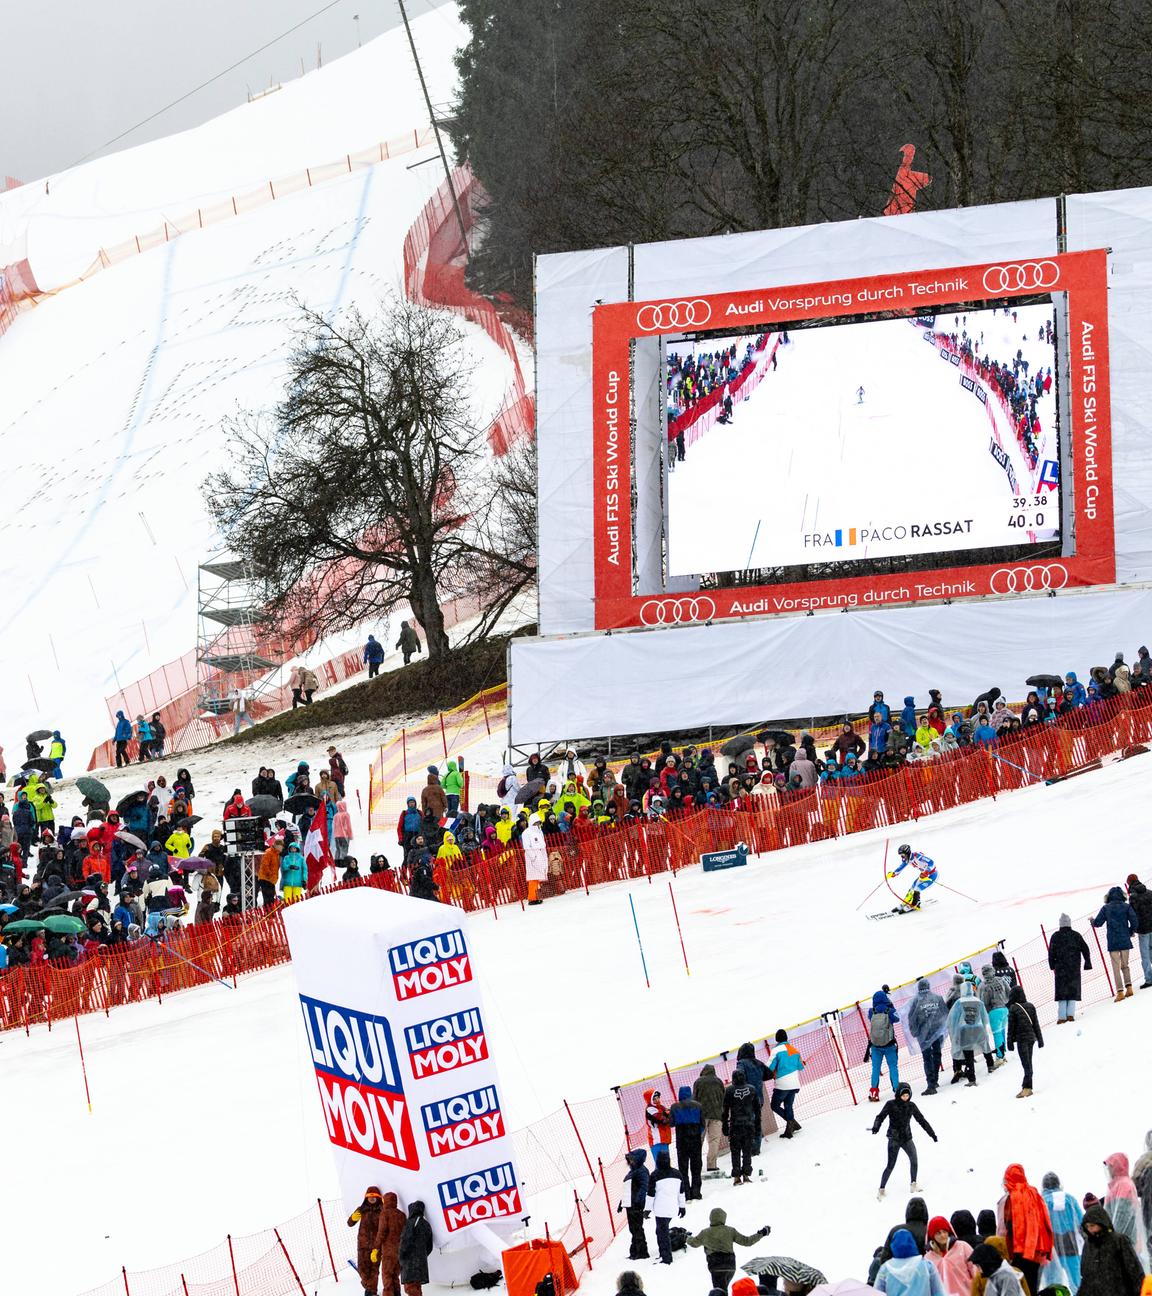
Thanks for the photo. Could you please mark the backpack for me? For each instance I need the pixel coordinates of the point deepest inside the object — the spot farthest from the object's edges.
(881, 1032)
(502, 788)
(678, 1238)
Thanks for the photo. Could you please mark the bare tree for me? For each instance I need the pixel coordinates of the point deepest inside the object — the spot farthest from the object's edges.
(367, 486)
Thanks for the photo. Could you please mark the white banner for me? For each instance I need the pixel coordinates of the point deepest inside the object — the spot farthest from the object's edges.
(409, 1094)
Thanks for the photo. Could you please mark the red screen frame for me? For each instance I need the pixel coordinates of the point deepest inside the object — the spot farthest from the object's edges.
(1083, 276)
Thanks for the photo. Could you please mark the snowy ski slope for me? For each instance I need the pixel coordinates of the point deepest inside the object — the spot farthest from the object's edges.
(113, 391)
(777, 942)
(806, 455)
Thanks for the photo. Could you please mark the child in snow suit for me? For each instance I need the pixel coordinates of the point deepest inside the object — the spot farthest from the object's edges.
(718, 1241)
(900, 1112)
(740, 1124)
(1024, 1034)
(658, 1121)
(637, 1209)
(666, 1192)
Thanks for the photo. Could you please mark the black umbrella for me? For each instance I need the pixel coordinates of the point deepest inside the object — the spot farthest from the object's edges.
(189, 822)
(39, 735)
(784, 1267)
(265, 806)
(1044, 681)
(302, 803)
(737, 746)
(40, 763)
(781, 737)
(530, 791)
(126, 802)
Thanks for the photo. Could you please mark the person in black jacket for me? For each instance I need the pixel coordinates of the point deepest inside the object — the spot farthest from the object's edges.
(964, 1226)
(637, 1209)
(1109, 1266)
(754, 1071)
(1140, 898)
(688, 1126)
(740, 1124)
(415, 1248)
(900, 1112)
(1023, 1034)
(916, 1223)
(1066, 951)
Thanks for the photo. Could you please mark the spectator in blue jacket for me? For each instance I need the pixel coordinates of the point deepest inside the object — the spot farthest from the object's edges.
(144, 738)
(878, 704)
(637, 1206)
(784, 1066)
(879, 732)
(373, 655)
(983, 735)
(1079, 693)
(24, 823)
(753, 1070)
(908, 717)
(688, 1128)
(882, 1042)
(293, 871)
(1120, 919)
(122, 736)
(136, 817)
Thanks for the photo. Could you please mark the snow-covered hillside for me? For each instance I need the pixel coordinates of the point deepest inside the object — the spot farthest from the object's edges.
(114, 391)
(777, 942)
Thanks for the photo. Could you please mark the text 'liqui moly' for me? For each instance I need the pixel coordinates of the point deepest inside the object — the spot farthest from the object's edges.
(360, 1088)
(433, 963)
(482, 1195)
(463, 1121)
(446, 1043)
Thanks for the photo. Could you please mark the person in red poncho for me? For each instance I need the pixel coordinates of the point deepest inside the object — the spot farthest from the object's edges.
(1024, 1225)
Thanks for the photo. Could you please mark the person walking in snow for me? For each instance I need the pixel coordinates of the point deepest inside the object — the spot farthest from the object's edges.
(636, 1212)
(928, 1023)
(908, 1273)
(1118, 916)
(1067, 950)
(882, 1043)
(373, 656)
(994, 996)
(741, 1124)
(666, 1191)
(719, 1241)
(709, 1093)
(900, 1112)
(784, 1066)
(409, 641)
(1024, 1034)
(969, 1032)
(122, 736)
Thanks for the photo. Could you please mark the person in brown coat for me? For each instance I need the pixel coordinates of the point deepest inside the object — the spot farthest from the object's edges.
(368, 1215)
(392, 1221)
(432, 796)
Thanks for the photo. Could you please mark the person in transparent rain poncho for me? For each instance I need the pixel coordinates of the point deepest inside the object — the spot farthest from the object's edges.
(1142, 1178)
(969, 1032)
(1123, 1205)
(1066, 1215)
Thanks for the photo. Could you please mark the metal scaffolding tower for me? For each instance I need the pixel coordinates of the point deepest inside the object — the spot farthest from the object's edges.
(233, 647)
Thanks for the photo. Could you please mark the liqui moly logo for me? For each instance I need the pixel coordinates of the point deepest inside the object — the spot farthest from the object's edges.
(360, 1088)
(421, 967)
(480, 1196)
(463, 1121)
(446, 1043)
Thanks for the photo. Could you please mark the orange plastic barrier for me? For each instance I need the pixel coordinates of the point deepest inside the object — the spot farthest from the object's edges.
(525, 1265)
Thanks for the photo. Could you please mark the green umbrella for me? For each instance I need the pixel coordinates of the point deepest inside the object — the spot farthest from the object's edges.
(65, 924)
(23, 925)
(93, 789)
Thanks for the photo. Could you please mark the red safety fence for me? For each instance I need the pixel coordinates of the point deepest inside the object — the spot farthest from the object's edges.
(700, 416)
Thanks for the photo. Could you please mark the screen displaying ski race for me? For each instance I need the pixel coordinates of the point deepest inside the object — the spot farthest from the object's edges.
(863, 440)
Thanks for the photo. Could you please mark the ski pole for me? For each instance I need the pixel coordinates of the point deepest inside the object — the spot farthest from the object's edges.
(643, 960)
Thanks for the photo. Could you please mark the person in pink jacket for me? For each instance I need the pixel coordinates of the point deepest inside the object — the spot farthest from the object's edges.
(341, 832)
(951, 1257)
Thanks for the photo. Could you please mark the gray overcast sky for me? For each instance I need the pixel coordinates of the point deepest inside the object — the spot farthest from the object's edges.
(78, 73)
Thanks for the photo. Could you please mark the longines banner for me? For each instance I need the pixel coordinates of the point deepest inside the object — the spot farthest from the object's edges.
(408, 1091)
(1089, 558)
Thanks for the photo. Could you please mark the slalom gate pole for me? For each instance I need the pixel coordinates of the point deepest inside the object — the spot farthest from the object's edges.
(679, 933)
(955, 892)
(887, 880)
(1021, 768)
(168, 948)
(83, 1064)
(643, 960)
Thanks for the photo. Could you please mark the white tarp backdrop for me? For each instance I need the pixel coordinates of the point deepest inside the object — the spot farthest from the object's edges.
(410, 1097)
(793, 666)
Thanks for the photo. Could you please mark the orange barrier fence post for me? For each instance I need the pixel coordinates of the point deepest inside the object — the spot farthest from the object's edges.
(443, 738)
(579, 1139)
(1104, 962)
(843, 1064)
(232, 1258)
(586, 1244)
(607, 1200)
(327, 1243)
(291, 1266)
(124, 1275)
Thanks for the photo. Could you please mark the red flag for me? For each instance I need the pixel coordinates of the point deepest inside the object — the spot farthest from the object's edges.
(316, 852)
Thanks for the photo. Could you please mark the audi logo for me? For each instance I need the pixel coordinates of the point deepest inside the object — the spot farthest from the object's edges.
(1020, 275)
(673, 315)
(677, 611)
(1029, 580)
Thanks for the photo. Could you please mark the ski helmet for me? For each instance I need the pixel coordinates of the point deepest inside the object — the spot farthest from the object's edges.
(905, 851)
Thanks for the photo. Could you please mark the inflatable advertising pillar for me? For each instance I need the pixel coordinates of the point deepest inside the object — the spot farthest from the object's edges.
(394, 1024)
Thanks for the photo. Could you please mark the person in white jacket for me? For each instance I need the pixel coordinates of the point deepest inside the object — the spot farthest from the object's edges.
(666, 1188)
(535, 858)
(508, 786)
(571, 768)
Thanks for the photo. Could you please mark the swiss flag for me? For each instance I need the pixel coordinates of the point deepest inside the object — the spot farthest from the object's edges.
(316, 852)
